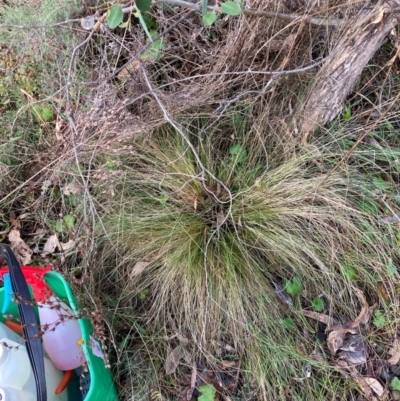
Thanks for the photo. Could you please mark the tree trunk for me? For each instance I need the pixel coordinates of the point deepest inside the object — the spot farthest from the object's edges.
(362, 36)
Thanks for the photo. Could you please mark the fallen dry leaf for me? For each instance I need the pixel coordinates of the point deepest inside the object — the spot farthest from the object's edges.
(394, 352)
(193, 379)
(138, 268)
(67, 246)
(21, 250)
(72, 189)
(355, 375)
(173, 359)
(375, 386)
(364, 315)
(50, 245)
(320, 317)
(335, 339)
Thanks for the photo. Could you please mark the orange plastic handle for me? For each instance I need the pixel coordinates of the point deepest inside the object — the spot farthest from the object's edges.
(64, 381)
(14, 326)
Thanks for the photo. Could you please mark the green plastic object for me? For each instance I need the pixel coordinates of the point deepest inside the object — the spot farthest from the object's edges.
(101, 386)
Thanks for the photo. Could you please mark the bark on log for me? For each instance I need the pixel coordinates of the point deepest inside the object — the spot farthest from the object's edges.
(362, 36)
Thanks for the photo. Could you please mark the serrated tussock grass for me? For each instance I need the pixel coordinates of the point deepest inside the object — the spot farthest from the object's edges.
(208, 252)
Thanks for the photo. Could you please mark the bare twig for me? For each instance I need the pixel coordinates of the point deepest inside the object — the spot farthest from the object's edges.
(39, 26)
(252, 12)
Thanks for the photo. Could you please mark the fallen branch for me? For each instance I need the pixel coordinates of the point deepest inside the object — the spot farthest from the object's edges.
(361, 38)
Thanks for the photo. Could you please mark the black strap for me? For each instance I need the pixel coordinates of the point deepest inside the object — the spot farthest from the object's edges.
(28, 320)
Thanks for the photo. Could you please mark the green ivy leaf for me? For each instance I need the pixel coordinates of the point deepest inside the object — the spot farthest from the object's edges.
(209, 18)
(114, 16)
(293, 287)
(231, 8)
(288, 323)
(69, 221)
(59, 226)
(318, 304)
(208, 392)
(379, 320)
(143, 5)
(395, 384)
(350, 272)
(238, 153)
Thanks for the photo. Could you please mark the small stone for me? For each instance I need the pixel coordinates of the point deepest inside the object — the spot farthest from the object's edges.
(396, 395)
(380, 349)
(386, 374)
(395, 370)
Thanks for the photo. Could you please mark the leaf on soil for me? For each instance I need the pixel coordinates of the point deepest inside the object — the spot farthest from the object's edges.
(208, 392)
(67, 246)
(394, 352)
(138, 268)
(294, 287)
(395, 384)
(375, 386)
(114, 16)
(364, 315)
(21, 250)
(320, 317)
(72, 189)
(69, 221)
(335, 339)
(231, 8)
(173, 359)
(361, 383)
(193, 379)
(50, 245)
(318, 304)
(209, 18)
(354, 350)
(379, 320)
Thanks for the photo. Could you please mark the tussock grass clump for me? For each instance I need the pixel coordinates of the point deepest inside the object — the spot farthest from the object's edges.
(210, 248)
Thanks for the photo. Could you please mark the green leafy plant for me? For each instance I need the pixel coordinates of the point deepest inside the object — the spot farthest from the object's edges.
(59, 226)
(350, 272)
(231, 8)
(143, 5)
(114, 16)
(238, 153)
(395, 384)
(209, 18)
(379, 182)
(294, 287)
(287, 323)
(379, 320)
(69, 221)
(346, 114)
(43, 113)
(155, 50)
(318, 304)
(208, 392)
